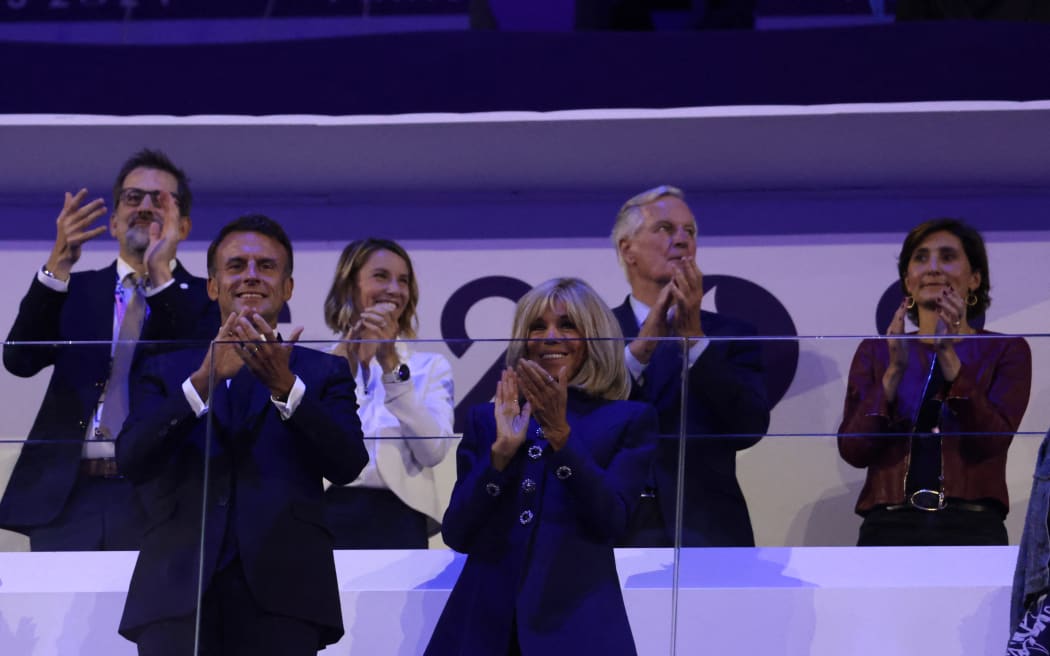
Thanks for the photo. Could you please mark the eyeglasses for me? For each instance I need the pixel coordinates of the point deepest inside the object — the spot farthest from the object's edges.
(132, 196)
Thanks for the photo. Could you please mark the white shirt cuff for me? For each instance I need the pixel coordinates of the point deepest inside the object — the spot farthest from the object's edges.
(52, 283)
(153, 291)
(636, 368)
(197, 404)
(287, 408)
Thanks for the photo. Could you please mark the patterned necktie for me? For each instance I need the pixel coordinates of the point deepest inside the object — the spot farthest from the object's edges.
(115, 399)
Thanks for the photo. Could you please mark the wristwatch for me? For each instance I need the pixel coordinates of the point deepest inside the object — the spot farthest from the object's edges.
(399, 375)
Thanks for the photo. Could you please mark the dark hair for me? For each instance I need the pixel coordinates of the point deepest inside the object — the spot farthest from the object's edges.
(155, 159)
(338, 306)
(973, 246)
(258, 223)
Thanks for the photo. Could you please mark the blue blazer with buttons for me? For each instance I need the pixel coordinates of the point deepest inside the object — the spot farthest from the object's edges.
(539, 535)
(264, 489)
(43, 478)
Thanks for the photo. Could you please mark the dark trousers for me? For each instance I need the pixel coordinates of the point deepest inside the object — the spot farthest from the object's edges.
(910, 527)
(369, 518)
(232, 624)
(515, 646)
(101, 514)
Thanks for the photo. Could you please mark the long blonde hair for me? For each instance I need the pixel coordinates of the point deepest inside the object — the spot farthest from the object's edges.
(339, 309)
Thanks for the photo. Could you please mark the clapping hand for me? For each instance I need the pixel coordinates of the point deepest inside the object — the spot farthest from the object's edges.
(377, 322)
(687, 291)
(265, 353)
(73, 230)
(655, 325)
(548, 397)
(164, 239)
(898, 351)
(511, 420)
(951, 311)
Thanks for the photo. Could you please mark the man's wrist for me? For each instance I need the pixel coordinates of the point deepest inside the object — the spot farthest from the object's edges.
(199, 380)
(283, 390)
(159, 273)
(55, 271)
(642, 350)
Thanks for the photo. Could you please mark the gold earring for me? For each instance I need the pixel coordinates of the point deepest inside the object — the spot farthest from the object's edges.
(971, 300)
(911, 302)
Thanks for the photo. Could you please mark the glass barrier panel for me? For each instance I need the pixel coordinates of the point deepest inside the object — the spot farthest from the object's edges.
(87, 481)
(806, 447)
(435, 508)
(763, 530)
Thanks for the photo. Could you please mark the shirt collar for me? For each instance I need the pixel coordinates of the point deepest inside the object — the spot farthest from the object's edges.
(641, 310)
(124, 269)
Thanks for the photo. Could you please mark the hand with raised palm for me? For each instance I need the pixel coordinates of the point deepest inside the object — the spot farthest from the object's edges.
(512, 420)
(898, 350)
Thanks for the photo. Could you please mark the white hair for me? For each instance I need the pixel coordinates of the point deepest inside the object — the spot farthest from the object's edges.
(629, 219)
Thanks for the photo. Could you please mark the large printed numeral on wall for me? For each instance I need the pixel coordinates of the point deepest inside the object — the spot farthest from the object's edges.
(743, 299)
(733, 296)
(454, 332)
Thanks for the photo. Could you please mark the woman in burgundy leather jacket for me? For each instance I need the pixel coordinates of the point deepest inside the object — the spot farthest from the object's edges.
(931, 417)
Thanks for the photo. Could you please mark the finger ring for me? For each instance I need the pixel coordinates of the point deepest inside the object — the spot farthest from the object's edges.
(255, 350)
(262, 337)
(957, 323)
(550, 378)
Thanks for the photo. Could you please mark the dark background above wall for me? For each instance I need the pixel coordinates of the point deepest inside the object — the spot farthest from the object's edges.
(491, 71)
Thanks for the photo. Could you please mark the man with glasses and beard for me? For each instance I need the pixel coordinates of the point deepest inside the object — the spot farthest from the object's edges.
(66, 492)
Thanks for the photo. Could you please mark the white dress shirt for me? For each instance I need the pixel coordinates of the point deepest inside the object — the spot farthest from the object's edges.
(94, 448)
(408, 428)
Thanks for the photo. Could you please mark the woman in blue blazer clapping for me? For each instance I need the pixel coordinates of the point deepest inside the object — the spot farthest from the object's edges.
(548, 475)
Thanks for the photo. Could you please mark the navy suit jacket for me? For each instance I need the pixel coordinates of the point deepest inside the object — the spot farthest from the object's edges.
(47, 467)
(539, 535)
(727, 411)
(264, 477)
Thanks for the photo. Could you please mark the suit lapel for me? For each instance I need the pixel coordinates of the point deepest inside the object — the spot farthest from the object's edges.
(625, 315)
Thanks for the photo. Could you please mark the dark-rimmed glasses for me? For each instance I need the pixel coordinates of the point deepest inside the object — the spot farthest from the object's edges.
(133, 196)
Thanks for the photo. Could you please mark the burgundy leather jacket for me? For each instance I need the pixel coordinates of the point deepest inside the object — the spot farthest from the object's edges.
(982, 409)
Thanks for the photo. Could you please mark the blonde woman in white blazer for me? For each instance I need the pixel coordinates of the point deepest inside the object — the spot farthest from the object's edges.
(405, 400)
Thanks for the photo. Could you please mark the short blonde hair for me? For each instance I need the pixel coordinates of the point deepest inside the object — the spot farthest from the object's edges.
(604, 372)
(629, 219)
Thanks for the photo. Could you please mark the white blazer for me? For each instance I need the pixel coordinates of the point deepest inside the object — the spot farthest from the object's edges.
(413, 423)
